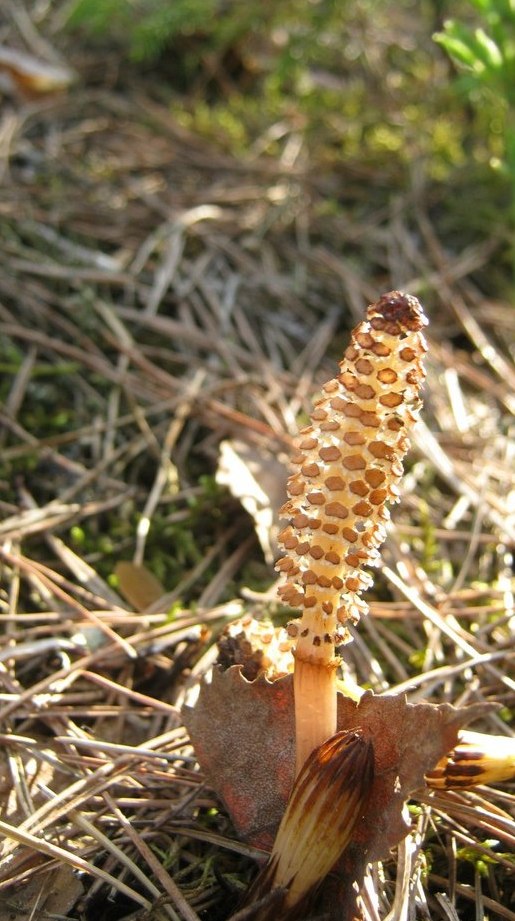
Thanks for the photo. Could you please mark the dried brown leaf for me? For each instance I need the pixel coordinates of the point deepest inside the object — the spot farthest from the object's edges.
(54, 894)
(138, 585)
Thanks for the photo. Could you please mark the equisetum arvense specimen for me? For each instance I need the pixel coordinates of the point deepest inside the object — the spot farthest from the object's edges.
(349, 462)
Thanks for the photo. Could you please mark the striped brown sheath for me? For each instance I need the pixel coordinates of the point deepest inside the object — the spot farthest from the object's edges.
(477, 758)
(349, 463)
(327, 801)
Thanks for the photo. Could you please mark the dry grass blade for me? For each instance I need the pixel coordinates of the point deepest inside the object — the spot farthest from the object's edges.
(407, 873)
(151, 860)
(443, 625)
(159, 296)
(470, 893)
(48, 579)
(74, 860)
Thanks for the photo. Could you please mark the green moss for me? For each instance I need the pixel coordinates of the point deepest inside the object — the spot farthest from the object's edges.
(480, 860)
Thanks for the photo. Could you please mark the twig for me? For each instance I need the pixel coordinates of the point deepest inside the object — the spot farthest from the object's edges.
(164, 878)
(73, 860)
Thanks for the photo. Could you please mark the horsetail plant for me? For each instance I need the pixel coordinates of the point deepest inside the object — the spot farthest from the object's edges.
(345, 805)
(349, 463)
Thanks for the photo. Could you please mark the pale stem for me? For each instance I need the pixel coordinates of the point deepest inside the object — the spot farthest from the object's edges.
(315, 705)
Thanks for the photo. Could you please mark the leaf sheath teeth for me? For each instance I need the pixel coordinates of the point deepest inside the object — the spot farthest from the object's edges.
(478, 758)
(327, 800)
